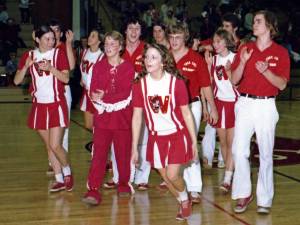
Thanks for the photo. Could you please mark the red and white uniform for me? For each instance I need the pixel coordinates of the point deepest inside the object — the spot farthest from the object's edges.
(86, 67)
(256, 112)
(142, 174)
(194, 68)
(169, 142)
(136, 57)
(49, 105)
(112, 123)
(224, 92)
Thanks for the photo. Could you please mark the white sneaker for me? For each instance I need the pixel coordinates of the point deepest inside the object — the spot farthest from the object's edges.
(263, 210)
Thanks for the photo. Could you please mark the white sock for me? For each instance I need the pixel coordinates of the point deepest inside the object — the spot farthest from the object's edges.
(66, 170)
(183, 195)
(59, 178)
(228, 176)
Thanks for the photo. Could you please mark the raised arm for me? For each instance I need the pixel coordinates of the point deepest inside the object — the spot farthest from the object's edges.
(20, 74)
(237, 74)
(69, 49)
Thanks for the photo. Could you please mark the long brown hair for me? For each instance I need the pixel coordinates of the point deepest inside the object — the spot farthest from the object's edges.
(168, 61)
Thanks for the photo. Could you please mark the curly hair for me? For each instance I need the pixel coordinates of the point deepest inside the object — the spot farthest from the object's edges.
(168, 62)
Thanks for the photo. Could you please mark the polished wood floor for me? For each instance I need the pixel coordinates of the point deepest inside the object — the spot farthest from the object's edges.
(24, 197)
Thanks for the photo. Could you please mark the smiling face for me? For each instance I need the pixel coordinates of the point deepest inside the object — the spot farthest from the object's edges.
(219, 44)
(153, 61)
(112, 47)
(133, 32)
(46, 41)
(93, 39)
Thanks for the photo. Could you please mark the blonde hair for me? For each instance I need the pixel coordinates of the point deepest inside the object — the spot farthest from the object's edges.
(117, 36)
(225, 35)
(179, 28)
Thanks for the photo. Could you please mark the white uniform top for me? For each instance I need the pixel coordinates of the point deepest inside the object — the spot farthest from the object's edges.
(160, 104)
(223, 89)
(86, 66)
(46, 88)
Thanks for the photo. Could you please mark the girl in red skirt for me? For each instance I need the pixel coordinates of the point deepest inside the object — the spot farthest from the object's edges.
(161, 94)
(49, 70)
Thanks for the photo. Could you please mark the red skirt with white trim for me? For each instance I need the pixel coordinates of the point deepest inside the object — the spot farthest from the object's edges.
(46, 116)
(226, 114)
(174, 148)
(86, 104)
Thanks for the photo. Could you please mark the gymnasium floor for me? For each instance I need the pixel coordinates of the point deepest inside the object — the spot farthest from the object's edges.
(24, 197)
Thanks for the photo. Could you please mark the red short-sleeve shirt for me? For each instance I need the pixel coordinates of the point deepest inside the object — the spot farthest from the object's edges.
(253, 82)
(194, 68)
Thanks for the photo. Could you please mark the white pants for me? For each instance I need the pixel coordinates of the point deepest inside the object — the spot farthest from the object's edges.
(209, 144)
(69, 102)
(141, 174)
(192, 173)
(259, 116)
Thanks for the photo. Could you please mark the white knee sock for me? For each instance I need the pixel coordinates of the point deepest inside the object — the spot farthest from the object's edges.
(183, 195)
(66, 170)
(59, 178)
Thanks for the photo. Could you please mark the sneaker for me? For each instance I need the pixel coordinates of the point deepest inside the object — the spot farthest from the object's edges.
(110, 185)
(186, 208)
(163, 186)
(195, 197)
(69, 182)
(179, 216)
(57, 186)
(50, 171)
(242, 204)
(225, 187)
(92, 197)
(221, 164)
(263, 210)
(142, 187)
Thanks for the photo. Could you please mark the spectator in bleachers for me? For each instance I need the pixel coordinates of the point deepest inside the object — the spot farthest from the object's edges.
(11, 66)
(164, 9)
(3, 14)
(170, 20)
(12, 37)
(24, 11)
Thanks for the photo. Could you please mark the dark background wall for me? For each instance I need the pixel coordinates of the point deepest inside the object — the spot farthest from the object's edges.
(43, 10)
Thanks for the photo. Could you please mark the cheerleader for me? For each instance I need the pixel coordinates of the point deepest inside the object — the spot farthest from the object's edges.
(49, 71)
(89, 58)
(225, 96)
(161, 94)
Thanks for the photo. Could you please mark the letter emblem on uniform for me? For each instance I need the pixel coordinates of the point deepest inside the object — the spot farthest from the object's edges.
(86, 65)
(157, 103)
(220, 72)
